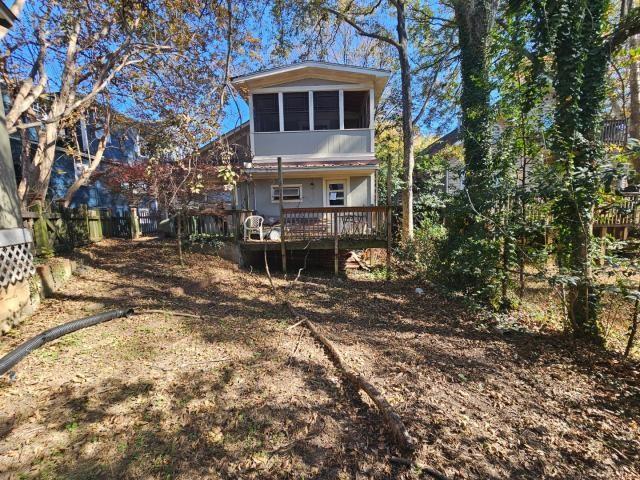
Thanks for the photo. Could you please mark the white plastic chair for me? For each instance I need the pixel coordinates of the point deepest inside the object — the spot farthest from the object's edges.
(253, 225)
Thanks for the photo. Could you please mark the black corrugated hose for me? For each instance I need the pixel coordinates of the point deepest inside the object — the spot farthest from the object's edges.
(13, 357)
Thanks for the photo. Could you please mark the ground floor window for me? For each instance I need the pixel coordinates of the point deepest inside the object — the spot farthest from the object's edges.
(290, 193)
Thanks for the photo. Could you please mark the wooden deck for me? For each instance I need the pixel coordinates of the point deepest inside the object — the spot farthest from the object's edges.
(322, 227)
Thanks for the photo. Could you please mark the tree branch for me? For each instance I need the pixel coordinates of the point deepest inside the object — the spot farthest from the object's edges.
(362, 31)
(626, 28)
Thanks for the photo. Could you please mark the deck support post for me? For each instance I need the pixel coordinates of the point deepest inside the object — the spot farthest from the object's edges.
(388, 273)
(336, 254)
(283, 249)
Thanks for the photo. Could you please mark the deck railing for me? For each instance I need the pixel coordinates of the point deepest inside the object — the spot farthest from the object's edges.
(624, 214)
(615, 132)
(353, 223)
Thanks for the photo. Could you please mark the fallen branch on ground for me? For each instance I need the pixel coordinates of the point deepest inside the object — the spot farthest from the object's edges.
(391, 418)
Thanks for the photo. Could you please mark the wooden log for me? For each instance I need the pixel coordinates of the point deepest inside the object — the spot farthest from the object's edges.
(391, 418)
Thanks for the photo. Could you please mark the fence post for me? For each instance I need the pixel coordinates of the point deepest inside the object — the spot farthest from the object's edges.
(109, 223)
(135, 222)
(41, 233)
(95, 225)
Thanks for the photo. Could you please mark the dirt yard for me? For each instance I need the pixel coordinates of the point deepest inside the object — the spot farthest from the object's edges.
(237, 394)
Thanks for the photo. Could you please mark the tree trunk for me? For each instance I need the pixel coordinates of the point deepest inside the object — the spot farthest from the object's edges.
(37, 170)
(94, 163)
(179, 238)
(583, 310)
(634, 93)
(634, 327)
(473, 23)
(407, 125)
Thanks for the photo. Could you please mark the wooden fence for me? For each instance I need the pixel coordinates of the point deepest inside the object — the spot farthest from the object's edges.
(63, 229)
(624, 213)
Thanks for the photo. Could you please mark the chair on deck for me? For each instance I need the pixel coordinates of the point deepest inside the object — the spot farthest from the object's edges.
(252, 226)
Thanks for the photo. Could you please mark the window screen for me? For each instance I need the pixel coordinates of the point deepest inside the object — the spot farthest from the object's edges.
(356, 109)
(296, 111)
(266, 117)
(326, 115)
(291, 193)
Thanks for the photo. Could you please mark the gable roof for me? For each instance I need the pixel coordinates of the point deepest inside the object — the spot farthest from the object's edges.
(314, 69)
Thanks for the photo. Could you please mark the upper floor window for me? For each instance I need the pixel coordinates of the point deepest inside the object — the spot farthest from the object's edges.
(356, 109)
(326, 111)
(266, 117)
(296, 111)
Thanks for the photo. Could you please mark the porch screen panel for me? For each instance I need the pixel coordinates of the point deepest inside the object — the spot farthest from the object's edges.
(296, 111)
(266, 117)
(356, 109)
(326, 114)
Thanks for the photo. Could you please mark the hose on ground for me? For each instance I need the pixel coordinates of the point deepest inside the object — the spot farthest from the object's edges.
(13, 357)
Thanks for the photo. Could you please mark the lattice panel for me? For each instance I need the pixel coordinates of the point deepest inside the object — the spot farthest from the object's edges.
(16, 263)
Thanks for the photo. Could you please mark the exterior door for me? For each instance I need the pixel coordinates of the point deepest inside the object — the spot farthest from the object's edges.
(336, 193)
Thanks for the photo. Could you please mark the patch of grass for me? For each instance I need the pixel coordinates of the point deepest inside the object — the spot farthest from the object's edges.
(71, 340)
(72, 427)
(47, 354)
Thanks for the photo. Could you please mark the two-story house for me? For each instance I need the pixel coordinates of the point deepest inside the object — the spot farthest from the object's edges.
(319, 118)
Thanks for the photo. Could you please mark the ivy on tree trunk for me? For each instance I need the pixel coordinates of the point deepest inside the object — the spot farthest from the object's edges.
(574, 33)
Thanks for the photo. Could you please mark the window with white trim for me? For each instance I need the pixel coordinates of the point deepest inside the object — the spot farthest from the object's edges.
(290, 193)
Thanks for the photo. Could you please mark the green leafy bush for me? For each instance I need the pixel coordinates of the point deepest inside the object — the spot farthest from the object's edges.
(205, 240)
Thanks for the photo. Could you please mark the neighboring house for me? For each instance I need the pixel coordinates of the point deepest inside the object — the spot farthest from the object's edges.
(123, 146)
(319, 118)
